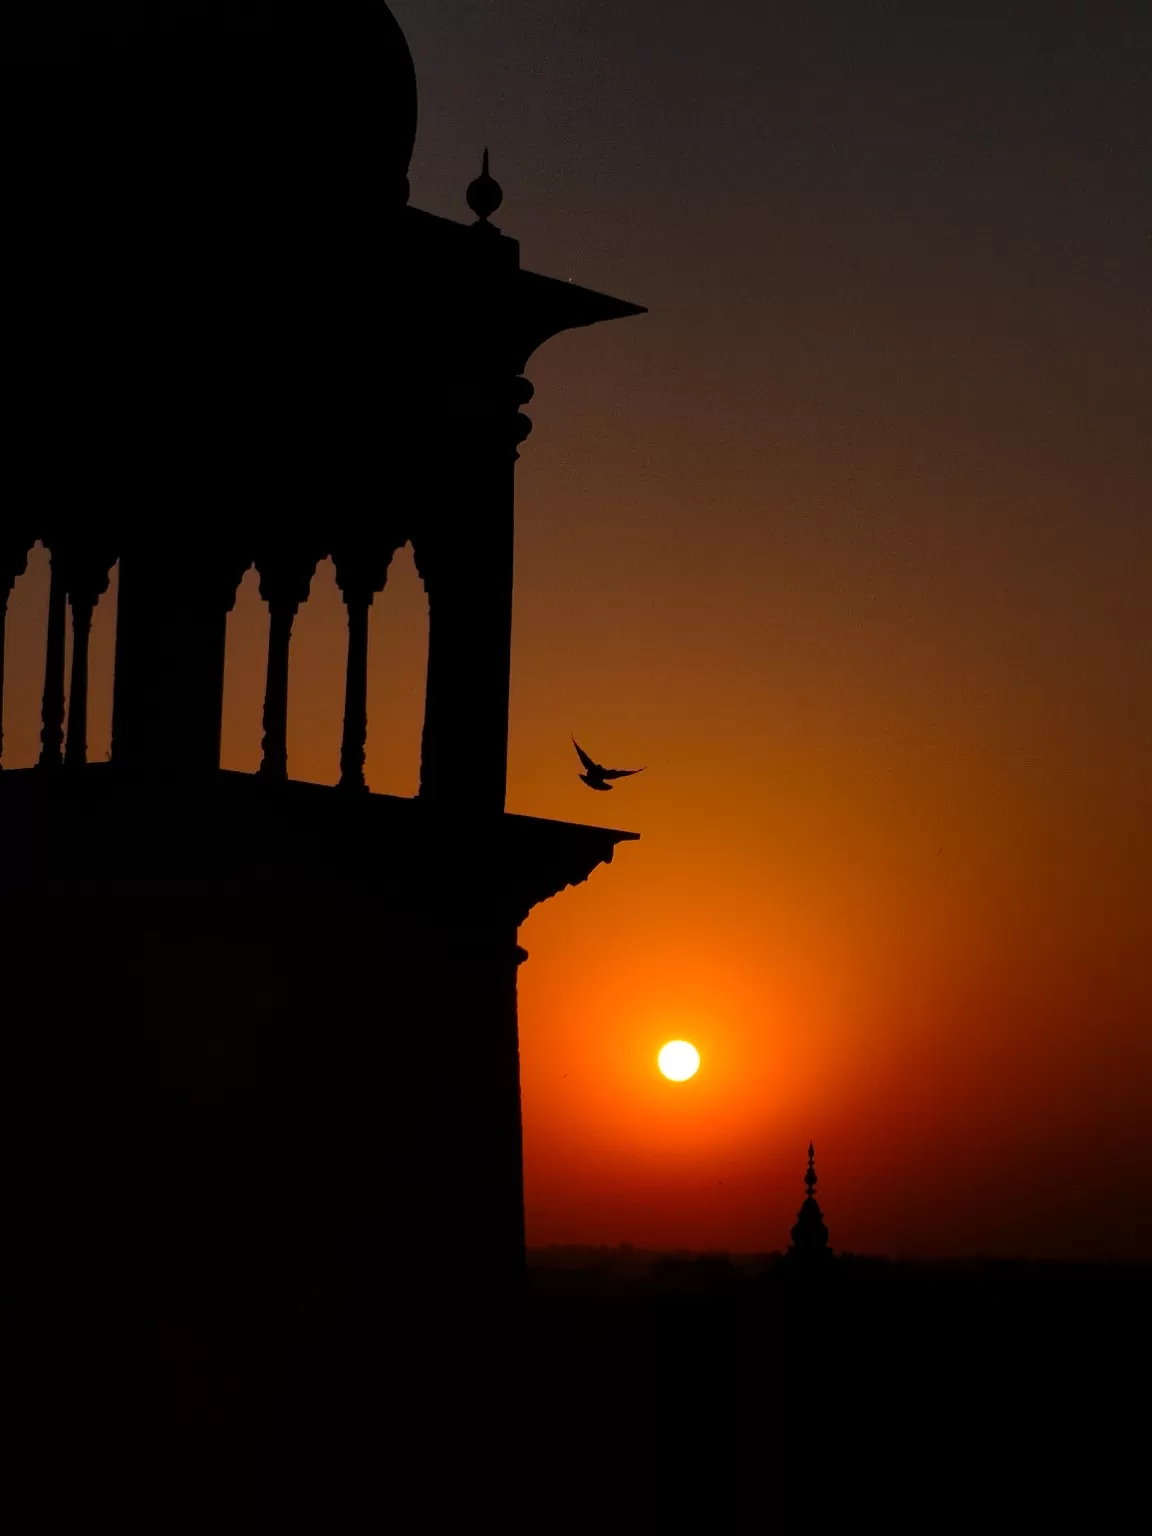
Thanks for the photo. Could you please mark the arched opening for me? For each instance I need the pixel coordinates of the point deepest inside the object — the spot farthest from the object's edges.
(24, 661)
(316, 682)
(397, 673)
(245, 660)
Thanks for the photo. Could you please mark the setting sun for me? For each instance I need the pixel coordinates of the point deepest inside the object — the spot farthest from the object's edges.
(679, 1061)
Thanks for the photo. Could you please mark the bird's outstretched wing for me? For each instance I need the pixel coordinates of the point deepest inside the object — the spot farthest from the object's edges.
(621, 773)
(584, 758)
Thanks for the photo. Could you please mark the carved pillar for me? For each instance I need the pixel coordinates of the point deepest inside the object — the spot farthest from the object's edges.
(285, 581)
(76, 747)
(355, 734)
(13, 563)
(171, 629)
(52, 703)
(464, 553)
(87, 570)
(361, 571)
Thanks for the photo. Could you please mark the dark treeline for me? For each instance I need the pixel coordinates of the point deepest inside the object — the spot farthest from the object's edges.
(624, 1371)
(630, 1276)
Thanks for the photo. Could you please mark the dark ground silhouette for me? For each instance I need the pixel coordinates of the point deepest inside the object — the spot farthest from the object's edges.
(653, 1384)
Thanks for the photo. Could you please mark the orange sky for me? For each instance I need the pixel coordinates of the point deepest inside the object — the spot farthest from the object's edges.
(848, 540)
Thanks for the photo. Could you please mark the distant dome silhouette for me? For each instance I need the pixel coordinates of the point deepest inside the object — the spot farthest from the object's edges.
(254, 81)
(809, 1235)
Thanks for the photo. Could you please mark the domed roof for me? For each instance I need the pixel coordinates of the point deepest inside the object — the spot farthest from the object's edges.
(331, 81)
(403, 76)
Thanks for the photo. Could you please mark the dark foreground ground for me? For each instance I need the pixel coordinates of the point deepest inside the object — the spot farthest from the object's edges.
(685, 1392)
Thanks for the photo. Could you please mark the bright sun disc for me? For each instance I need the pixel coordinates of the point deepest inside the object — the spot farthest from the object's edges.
(679, 1061)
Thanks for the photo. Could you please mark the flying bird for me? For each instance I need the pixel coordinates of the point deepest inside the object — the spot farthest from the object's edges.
(595, 776)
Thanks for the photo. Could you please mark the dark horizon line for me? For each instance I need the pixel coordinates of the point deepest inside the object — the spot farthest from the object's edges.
(863, 1256)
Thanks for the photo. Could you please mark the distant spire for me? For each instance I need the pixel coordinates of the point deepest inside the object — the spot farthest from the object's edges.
(484, 194)
(810, 1235)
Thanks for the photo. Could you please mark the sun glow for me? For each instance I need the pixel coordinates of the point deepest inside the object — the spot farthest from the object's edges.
(679, 1061)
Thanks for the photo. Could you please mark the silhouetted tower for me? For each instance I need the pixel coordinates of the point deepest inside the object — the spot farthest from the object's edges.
(265, 1031)
(810, 1235)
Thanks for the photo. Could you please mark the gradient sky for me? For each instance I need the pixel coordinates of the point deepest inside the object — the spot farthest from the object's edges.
(849, 541)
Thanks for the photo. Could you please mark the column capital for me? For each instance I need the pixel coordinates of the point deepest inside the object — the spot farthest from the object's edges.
(286, 568)
(223, 577)
(362, 560)
(14, 549)
(86, 565)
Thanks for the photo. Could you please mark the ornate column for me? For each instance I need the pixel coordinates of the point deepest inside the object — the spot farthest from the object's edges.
(464, 539)
(487, 323)
(171, 631)
(13, 563)
(464, 549)
(362, 563)
(52, 702)
(87, 571)
(285, 582)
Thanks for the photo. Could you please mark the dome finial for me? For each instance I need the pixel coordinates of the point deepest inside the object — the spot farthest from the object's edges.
(484, 194)
(809, 1235)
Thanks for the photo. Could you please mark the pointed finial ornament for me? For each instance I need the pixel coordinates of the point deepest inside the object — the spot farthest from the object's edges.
(809, 1235)
(484, 194)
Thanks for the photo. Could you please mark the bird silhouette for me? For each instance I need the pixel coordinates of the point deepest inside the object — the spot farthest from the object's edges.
(595, 776)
